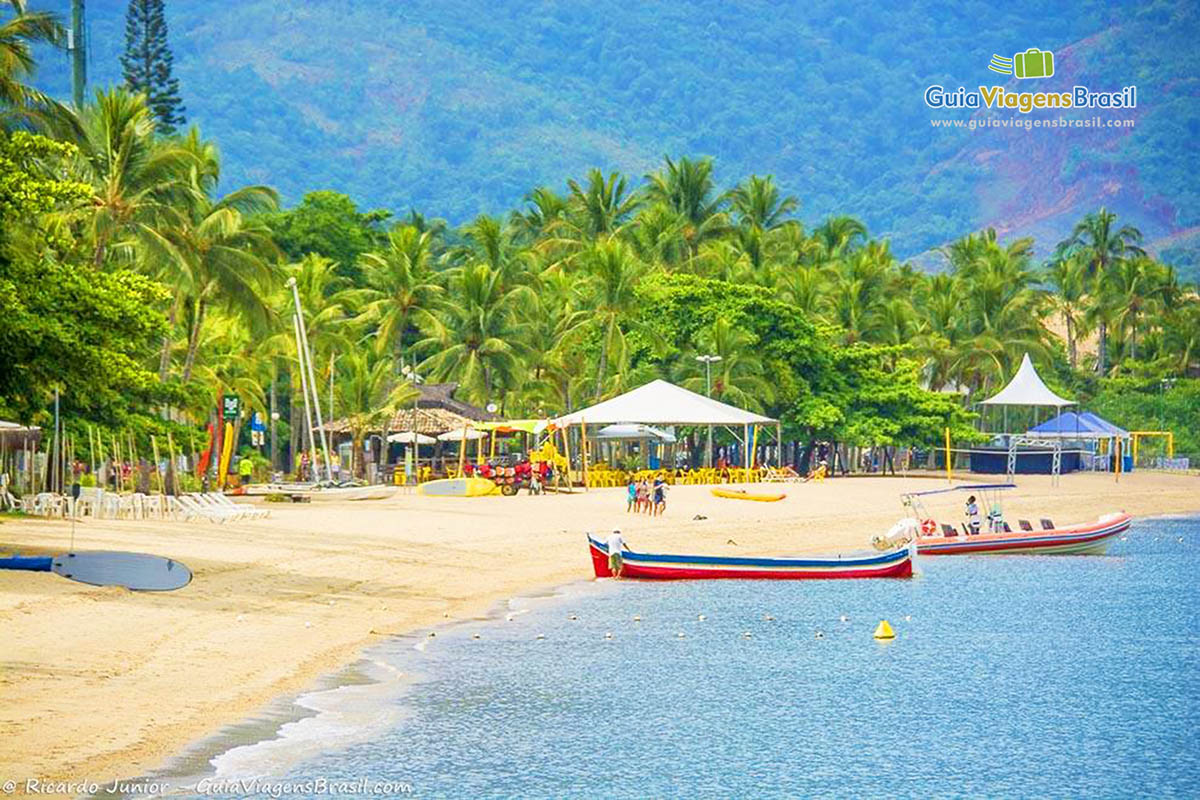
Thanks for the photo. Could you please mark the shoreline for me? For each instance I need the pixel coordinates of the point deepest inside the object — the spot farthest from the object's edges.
(457, 565)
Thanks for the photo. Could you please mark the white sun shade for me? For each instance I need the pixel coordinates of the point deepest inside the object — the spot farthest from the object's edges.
(662, 403)
(1027, 389)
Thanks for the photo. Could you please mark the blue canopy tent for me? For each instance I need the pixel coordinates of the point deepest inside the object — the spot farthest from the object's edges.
(1087, 430)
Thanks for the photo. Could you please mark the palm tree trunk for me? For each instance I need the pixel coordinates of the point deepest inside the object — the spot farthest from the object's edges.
(1071, 355)
(603, 368)
(164, 361)
(193, 341)
(1102, 351)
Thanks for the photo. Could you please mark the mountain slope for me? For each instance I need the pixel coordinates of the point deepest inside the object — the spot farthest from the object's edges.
(458, 107)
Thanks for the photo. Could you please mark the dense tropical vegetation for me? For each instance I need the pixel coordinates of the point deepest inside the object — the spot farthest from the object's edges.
(460, 107)
(139, 285)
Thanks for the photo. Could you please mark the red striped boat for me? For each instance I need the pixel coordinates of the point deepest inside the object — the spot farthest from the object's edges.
(1090, 539)
(896, 563)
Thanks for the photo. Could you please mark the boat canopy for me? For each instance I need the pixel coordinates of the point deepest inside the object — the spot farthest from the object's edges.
(972, 487)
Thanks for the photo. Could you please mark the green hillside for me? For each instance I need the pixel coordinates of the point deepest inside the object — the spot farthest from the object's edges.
(457, 107)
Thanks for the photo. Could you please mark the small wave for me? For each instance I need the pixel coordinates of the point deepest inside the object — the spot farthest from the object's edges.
(343, 716)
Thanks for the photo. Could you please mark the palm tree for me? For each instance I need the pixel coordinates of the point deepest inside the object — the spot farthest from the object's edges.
(838, 235)
(1067, 275)
(757, 203)
(215, 253)
(603, 206)
(738, 376)
(688, 188)
(615, 271)
(18, 34)
(1102, 244)
(402, 289)
(368, 395)
(477, 339)
(136, 179)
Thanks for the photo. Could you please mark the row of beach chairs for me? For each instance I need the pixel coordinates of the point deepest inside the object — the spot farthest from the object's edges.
(100, 504)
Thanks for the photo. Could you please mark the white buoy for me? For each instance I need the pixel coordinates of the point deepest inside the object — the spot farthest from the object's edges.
(541, 636)
(474, 635)
(432, 634)
(608, 634)
(701, 617)
(746, 634)
(844, 618)
(908, 617)
(819, 635)
(572, 618)
(768, 618)
(637, 618)
(680, 635)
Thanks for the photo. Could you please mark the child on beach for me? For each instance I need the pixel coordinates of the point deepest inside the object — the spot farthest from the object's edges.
(631, 497)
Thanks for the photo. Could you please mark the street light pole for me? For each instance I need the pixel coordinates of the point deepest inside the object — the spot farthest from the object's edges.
(708, 361)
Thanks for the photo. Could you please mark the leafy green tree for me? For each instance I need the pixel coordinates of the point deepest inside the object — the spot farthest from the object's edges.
(329, 224)
(687, 188)
(147, 63)
(738, 376)
(62, 325)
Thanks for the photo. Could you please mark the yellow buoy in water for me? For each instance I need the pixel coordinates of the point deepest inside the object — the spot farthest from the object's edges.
(884, 631)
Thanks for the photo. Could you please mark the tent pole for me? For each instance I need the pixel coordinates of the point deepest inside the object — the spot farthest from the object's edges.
(567, 455)
(584, 452)
(462, 452)
(746, 448)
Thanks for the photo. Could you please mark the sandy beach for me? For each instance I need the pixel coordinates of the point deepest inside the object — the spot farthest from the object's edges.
(102, 683)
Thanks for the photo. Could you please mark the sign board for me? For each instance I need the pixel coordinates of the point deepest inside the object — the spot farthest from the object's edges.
(231, 404)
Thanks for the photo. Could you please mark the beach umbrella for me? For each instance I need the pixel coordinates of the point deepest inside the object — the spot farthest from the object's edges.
(408, 437)
(460, 434)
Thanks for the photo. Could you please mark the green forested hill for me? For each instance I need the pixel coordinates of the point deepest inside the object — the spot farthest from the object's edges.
(457, 107)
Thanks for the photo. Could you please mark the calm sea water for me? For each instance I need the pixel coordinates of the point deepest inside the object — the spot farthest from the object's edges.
(1009, 676)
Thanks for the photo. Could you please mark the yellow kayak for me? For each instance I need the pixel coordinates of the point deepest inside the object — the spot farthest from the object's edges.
(742, 494)
(460, 487)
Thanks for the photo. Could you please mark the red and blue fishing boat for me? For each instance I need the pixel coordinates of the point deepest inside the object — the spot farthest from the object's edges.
(996, 534)
(893, 563)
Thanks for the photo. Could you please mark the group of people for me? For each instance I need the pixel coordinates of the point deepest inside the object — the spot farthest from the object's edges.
(644, 497)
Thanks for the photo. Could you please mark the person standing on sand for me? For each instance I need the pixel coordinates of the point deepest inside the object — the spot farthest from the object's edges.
(660, 495)
(631, 495)
(616, 544)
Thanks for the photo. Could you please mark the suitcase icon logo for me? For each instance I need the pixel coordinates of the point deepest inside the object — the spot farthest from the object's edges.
(1033, 63)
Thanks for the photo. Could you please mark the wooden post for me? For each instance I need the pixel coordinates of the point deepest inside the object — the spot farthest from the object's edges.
(567, 455)
(462, 452)
(162, 486)
(171, 465)
(584, 444)
(949, 468)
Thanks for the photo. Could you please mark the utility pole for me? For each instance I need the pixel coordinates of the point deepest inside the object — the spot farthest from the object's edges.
(77, 45)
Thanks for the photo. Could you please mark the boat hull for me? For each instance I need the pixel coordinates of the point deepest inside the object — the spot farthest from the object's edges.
(1092, 539)
(648, 566)
(739, 494)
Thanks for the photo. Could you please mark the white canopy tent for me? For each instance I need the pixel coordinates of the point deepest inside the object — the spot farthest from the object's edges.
(1027, 389)
(467, 434)
(663, 403)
